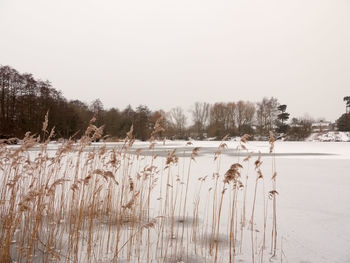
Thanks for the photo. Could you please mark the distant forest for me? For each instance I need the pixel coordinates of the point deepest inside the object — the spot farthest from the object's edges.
(25, 100)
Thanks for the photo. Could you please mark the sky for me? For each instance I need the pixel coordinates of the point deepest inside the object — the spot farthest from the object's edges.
(166, 54)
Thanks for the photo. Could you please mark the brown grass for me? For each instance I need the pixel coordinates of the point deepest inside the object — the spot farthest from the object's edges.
(85, 204)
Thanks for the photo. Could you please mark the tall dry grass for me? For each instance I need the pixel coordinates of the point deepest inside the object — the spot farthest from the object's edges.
(74, 202)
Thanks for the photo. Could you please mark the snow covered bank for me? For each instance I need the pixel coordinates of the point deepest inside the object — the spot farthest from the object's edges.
(332, 136)
(313, 208)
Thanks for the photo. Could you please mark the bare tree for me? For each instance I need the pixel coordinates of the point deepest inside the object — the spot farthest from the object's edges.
(178, 121)
(200, 117)
(240, 113)
(142, 127)
(218, 117)
(96, 107)
(248, 116)
(230, 122)
(267, 111)
(245, 112)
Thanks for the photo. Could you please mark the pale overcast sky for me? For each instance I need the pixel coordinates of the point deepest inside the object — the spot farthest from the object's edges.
(173, 53)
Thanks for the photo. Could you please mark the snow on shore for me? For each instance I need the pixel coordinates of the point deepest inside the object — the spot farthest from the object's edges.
(332, 136)
(313, 183)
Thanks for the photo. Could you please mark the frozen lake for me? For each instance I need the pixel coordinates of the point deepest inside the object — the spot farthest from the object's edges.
(313, 182)
(314, 196)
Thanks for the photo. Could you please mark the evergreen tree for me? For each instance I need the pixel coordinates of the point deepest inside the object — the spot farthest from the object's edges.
(281, 118)
(343, 123)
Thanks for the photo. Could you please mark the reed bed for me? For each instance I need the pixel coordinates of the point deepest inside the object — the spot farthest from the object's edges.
(80, 203)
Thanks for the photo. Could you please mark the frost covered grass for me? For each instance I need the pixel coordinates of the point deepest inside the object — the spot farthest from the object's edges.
(116, 204)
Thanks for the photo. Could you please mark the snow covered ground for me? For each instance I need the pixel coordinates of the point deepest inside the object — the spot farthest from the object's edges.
(314, 197)
(313, 204)
(314, 193)
(332, 136)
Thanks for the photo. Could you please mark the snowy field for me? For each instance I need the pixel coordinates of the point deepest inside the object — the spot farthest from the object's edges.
(314, 194)
(313, 202)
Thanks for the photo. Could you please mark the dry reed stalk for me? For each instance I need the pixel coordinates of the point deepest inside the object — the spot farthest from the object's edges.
(72, 206)
(260, 176)
(273, 194)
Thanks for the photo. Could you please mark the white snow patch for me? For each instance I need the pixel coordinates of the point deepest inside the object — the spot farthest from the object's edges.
(331, 136)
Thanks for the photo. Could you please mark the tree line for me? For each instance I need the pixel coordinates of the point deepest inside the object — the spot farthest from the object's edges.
(25, 100)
